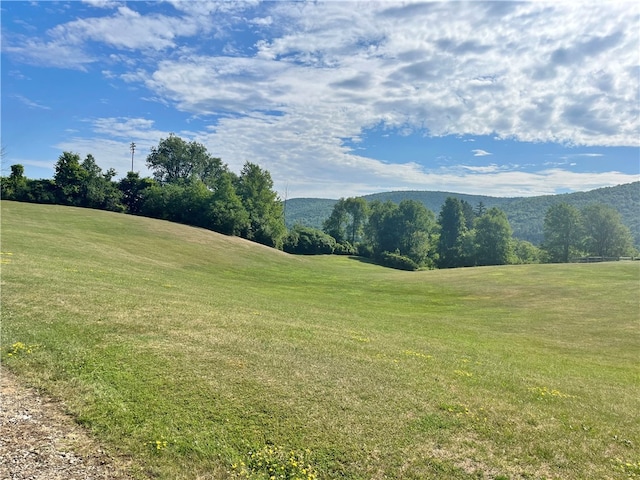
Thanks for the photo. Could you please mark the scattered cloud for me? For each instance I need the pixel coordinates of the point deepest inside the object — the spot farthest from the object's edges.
(30, 103)
(288, 84)
(480, 153)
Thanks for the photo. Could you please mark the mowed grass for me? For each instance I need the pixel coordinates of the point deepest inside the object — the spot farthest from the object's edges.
(186, 352)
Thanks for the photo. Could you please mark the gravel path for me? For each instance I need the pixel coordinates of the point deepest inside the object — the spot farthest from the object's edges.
(39, 442)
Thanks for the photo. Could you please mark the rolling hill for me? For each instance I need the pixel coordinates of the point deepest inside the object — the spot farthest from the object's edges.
(525, 214)
(195, 355)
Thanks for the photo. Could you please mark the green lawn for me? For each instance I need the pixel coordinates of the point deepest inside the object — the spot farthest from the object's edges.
(203, 356)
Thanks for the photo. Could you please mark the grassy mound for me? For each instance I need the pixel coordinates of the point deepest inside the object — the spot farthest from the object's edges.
(205, 356)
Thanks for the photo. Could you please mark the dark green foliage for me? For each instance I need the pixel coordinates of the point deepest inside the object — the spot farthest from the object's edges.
(346, 248)
(132, 188)
(335, 225)
(69, 178)
(356, 209)
(308, 241)
(175, 159)
(526, 215)
(383, 227)
(84, 184)
(452, 231)
(525, 252)
(407, 228)
(15, 186)
(395, 260)
(347, 220)
(98, 191)
(562, 232)
(493, 238)
(255, 189)
(228, 215)
(469, 214)
(41, 191)
(604, 233)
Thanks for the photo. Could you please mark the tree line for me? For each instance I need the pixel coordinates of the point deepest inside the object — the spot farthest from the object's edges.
(408, 235)
(192, 187)
(188, 186)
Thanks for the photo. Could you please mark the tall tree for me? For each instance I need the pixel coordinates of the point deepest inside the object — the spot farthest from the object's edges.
(417, 225)
(383, 229)
(469, 214)
(335, 224)
(97, 189)
(15, 187)
(69, 178)
(493, 238)
(605, 234)
(266, 222)
(228, 215)
(132, 188)
(175, 159)
(452, 224)
(356, 208)
(405, 230)
(562, 231)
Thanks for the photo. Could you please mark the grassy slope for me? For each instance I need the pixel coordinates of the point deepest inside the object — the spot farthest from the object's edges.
(150, 331)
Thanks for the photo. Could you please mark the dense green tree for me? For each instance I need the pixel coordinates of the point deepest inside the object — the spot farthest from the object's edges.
(228, 215)
(605, 234)
(308, 241)
(14, 187)
(562, 232)
(525, 252)
(132, 188)
(452, 232)
(69, 179)
(97, 189)
(175, 159)
(417, 226)
(356, 209)
(469, 214)
(266, 222)
(493, 238)
(383, 228)
(347, 220)
(41, 191)
(336, 224)
(404, 230)
(84, 184)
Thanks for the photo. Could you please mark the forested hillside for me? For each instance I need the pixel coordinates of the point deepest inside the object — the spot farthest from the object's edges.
(525, 214)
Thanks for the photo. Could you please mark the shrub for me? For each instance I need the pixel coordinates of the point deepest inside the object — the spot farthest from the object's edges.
(395, 260)
(308, 241)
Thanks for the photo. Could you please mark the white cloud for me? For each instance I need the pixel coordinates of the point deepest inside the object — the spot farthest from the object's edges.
(320, 72)
(480, 153)
(30, 103)
(102, 3)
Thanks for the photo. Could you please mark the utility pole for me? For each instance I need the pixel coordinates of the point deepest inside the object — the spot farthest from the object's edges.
(133, 149)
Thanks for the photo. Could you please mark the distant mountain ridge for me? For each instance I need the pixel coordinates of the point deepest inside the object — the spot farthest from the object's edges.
(525, 214)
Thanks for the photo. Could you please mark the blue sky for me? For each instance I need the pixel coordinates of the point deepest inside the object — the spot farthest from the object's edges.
(335, 98)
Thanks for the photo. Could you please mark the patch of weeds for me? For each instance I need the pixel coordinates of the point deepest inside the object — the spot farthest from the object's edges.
(19, 349)
(275, 463)
(411, 353)
(157, 446)
(544, 392)
(630, 469)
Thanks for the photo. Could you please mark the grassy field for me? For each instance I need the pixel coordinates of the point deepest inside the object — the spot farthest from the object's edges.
(203, 356)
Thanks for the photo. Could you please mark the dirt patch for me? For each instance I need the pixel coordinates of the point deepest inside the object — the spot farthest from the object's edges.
(38, 441)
